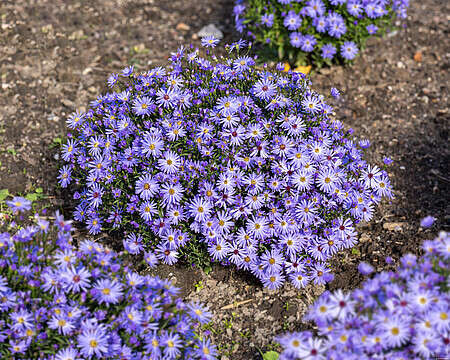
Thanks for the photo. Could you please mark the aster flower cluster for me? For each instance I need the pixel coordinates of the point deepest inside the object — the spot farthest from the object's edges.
(395, 315)
(214, 151)
(316, 31)
(60, 302)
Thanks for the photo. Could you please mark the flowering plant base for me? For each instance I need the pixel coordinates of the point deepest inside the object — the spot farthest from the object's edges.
(315, 31)
(59, 301)
(211, 151)
(395, 315)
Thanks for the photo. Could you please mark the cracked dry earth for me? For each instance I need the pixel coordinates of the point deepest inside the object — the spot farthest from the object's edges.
(56, 56)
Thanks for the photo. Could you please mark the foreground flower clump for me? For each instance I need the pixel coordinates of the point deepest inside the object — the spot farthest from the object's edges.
(214, 151)
(60, 302)
(395, 315)
(314, 30)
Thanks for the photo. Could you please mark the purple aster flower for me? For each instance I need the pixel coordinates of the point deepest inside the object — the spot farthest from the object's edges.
(292, 21)
(336, 25)
(264, 89)
(210, 41)
(166, 255)
(296, 39)
(147, 209)
(170, 162)
(93, 342)
(151, 259)
(65, 176)
(19, 204)
(77, 279)
(365, 268)
(143, 106)
(199, 312)
(112, 80)
(146, 187)
(67, 354)
(108, 291)
(267, 20)
(273, 281)
(167, 98)
(349, 50)
(335, 93)
(427, 221)
(308, 43)
(364, 143)
(372, 29)
(328, 51)
(126, 72)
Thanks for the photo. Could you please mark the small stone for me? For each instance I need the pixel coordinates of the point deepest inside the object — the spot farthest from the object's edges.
(77, 35)
(68, 103)
(400, 65)
(364, 238)
(210, 30)
(392, 33)
(418, 56)
(183, 27)
(394, 226)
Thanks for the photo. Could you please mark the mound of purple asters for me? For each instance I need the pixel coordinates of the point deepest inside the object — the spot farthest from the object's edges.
(394, 315)
(316, 31)
(59, 301)
(214, 151)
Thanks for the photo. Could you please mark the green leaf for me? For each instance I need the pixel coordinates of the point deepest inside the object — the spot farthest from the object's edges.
(271, 355)
(39, 190)
(31, 197)
(207, 270)
(4, 193)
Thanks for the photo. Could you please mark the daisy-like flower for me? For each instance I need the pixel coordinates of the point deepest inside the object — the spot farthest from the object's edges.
(108, 291)
(143, 106)
(258, 227)
(22, 320)
(273, 281)
(328, 51)
(67, 354)
(271, 261)
(93, 342)
(210, 41)
(170, 162)
(292, 21)
(152, 145)
(166, 255)
(299, 279)
(219, 250)
(264, 89)
(60, 323)
(77, 279)
(395, 332)
(172, 194)
(146, 187)
(200, 209)
(147, 210)
(206, 350)
(227, 106)
(167, 98)
(65, 176)
(349, 50)
(19, 204)
(311, 104)
(199, 312)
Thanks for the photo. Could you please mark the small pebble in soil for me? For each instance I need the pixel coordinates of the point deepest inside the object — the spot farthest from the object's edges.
(210, 30)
